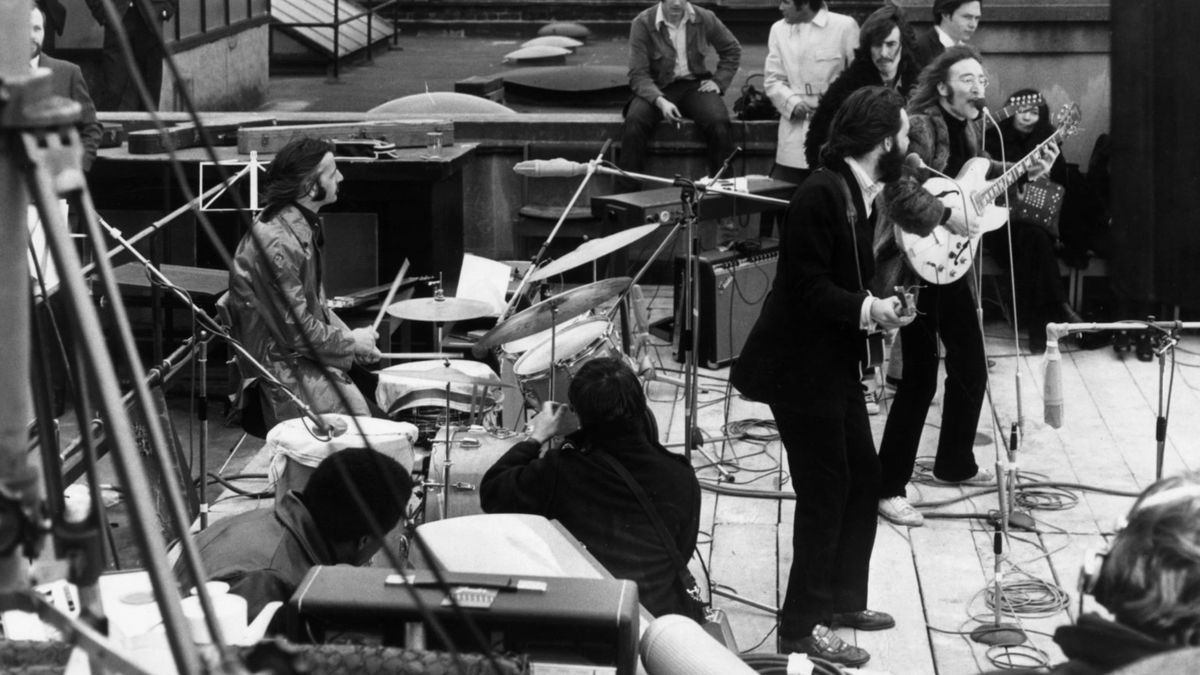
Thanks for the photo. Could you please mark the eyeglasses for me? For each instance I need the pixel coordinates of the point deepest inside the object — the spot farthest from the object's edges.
(971, 81)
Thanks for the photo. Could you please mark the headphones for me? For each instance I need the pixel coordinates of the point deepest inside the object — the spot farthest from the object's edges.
(1093, 559)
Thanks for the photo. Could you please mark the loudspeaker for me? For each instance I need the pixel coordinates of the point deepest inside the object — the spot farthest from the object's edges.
(733, 286)
(562, 623)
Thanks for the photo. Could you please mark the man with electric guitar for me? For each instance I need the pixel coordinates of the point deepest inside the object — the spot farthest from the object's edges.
(939, 221)
(802, 358)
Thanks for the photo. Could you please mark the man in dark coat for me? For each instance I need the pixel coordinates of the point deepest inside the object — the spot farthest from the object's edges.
(802, 359)
(884, 58)
(117, 89)
(954, 22)
(946, 132)
(264, 554)
(577, 485)
(66, 80)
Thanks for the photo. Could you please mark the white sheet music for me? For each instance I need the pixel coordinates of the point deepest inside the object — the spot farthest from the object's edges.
(484, 280)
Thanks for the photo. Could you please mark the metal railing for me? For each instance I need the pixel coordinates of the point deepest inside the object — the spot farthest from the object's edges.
(337, 24)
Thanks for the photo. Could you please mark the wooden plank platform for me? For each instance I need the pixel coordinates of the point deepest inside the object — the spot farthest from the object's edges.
(935, 579)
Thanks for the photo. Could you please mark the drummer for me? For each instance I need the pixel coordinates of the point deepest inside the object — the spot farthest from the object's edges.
(276, 295)
(577, 485)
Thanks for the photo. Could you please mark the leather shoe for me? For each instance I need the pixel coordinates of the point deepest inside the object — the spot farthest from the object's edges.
(826, 644)
(867, 619)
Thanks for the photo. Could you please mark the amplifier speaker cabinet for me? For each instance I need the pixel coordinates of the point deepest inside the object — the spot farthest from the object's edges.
(733, 286)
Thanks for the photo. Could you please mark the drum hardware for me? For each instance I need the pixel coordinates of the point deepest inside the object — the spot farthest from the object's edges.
(439, 310)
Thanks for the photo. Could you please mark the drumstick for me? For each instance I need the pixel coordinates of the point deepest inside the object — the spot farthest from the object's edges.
(391, 294)
(418, 355)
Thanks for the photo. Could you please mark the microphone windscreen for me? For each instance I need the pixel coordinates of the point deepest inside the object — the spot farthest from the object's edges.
(676, 645)
(1053, 413)
(914, 161)
(979, 104)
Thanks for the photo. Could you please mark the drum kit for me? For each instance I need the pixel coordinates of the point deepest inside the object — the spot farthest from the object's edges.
(546, 343)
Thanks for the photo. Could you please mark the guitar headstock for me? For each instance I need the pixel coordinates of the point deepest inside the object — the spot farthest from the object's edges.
(1023, 102)
(1067, 119)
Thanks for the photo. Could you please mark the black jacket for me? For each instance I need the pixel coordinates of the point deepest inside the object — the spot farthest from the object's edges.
(805, 346)
(928, 47)
(861, 73)
(579, 489)
(66, 80)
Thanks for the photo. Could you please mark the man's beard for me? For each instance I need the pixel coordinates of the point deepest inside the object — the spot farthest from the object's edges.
(891, 165)
(37, 50)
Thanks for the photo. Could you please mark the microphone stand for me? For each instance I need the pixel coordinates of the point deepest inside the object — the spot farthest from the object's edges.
(592, 168)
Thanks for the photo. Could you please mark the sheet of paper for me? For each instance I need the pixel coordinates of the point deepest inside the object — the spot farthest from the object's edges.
(484, 280)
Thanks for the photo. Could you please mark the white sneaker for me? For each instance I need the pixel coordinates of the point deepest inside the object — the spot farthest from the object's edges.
(900, 512)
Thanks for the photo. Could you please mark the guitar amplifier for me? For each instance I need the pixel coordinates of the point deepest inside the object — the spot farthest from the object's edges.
(565, 625)
(733, 286)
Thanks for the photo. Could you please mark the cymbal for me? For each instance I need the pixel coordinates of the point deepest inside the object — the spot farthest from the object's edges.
(556, 309)
(593, 249)
(440, 310)
(445, 375)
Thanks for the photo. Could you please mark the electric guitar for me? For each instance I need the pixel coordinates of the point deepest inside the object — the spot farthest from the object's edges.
(942, 256)
(1016, 105)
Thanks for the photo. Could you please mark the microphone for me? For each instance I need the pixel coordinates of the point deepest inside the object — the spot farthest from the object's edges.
(980, 105)
(676, 645)
(914, 162)
(1053, 413)
(551, 168)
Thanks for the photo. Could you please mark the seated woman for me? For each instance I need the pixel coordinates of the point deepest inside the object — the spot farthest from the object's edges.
(1041, 297)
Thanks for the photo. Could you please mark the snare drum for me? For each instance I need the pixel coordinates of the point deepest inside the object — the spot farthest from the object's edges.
(472, 453)
(573, 347)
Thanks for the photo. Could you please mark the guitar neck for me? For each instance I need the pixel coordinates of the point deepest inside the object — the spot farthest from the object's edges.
(1014, 173)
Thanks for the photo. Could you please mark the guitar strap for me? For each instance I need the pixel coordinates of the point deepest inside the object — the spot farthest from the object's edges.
(873, 347)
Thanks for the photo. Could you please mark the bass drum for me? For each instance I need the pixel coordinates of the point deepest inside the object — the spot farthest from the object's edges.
(472, 453)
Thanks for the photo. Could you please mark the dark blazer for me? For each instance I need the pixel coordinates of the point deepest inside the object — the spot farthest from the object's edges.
(804, 348)
(861, 73)
(928, 47)
(67, 80)
(579, 489)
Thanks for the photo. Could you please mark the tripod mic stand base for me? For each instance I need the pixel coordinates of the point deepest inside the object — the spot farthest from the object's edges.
(1016, 519)
(999, 634)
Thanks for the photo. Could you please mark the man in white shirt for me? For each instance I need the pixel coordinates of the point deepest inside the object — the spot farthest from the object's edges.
(954, 22)
(806, 51)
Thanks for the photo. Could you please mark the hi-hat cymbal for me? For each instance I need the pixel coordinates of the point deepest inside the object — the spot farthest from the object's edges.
(593, 249)
(445, 375)
(440, 310)
(559, 308)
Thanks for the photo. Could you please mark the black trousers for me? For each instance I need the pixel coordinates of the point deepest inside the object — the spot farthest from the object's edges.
(706, 109)
(1040, 292)
(949, 312)
(835, 473)
(118, 91)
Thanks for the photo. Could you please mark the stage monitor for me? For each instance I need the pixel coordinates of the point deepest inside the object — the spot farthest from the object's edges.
(563, 624)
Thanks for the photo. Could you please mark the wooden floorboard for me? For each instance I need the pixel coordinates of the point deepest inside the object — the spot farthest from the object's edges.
(933, 579)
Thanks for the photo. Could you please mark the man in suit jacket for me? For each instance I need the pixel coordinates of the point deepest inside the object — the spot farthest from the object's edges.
(954, 22)
(66, 80)
(802, 359)
(117, 90)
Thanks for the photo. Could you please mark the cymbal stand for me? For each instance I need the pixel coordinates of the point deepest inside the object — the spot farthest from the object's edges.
(446, 465)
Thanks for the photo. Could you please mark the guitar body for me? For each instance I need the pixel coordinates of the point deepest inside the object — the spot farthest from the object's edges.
(943, 257)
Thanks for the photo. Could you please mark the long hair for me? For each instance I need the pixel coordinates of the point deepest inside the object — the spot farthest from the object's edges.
(926, 95)
(867, 116)
(1044, 126)
(292, 172)
(607, 392)
(1150, 578)
(878, 27)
